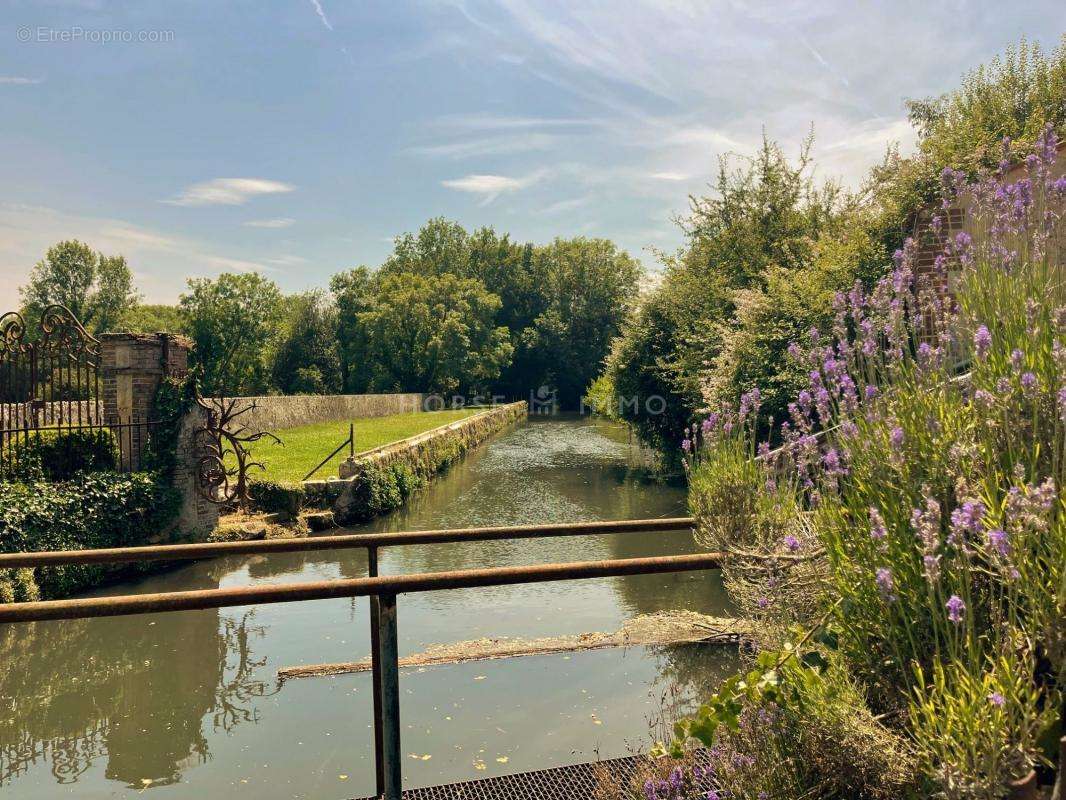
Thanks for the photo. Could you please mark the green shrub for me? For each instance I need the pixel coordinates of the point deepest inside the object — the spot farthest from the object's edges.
(59, 455)
(276, 497)
(100, 509)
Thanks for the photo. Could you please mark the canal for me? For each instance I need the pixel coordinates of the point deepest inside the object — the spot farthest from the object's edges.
(187, 705)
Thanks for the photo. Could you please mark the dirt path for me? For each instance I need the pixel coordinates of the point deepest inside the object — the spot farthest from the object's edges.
(663, 628)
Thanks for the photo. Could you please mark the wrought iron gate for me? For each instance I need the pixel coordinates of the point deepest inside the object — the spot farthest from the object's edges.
(50, 385)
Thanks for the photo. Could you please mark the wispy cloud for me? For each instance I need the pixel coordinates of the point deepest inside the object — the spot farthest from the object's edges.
(228, 191)
(19, 80)
(669, 176)
(491, 186)
(321, 14)
(280, 222)
(489, 146)
(236, 264)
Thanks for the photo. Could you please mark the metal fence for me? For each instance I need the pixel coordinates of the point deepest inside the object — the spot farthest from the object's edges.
(50, 387)
(382, 591)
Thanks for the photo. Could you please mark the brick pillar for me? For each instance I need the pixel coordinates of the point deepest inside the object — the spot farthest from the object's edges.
(132, 366)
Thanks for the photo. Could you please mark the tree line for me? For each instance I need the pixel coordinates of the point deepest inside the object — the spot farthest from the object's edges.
(449, 312)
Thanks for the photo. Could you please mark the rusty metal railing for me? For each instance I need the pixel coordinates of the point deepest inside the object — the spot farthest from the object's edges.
(382, 591)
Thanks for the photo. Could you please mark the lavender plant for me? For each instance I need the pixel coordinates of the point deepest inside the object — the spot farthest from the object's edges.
(927, 451)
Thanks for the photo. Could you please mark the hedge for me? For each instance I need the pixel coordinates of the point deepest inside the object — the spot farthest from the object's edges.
(98, 509)
(59, 455)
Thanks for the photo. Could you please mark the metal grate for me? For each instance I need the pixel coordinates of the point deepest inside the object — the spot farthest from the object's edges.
(575, 782)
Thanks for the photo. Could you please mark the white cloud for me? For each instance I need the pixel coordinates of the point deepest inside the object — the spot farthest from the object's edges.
(491, 186)
(567, 205)
(228, 191)
(489, 146)
(280, 222)
(321, 14)
(18, 80)
(669, 176)
(236, 264)
(287, 261)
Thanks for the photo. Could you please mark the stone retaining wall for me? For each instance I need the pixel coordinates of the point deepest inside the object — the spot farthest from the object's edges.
(379, 480)
(275, 412)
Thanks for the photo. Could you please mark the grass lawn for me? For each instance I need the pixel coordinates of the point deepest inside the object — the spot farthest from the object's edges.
(305, 446)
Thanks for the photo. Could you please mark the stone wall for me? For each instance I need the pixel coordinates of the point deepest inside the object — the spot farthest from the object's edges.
(289, 411)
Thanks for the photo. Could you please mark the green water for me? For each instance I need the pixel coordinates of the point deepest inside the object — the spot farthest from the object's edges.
(187, 705)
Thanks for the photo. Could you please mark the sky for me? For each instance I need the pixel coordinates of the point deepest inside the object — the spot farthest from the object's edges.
(297, 138)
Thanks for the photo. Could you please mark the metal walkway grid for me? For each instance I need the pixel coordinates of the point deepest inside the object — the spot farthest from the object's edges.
(575, 782)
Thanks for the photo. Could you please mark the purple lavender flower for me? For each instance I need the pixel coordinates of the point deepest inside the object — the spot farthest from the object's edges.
(1017, 358)
(763, 602)
(1029, 384)
(792, 543)
(967, 519)
(686, 445)
(997, 541)
(878, 530)
(931, 567)
(997, 699)
(982, 341)
(956, 608)
(713, 795)
(886, 584)
(677, 777)
(895, 437)
(870, 392)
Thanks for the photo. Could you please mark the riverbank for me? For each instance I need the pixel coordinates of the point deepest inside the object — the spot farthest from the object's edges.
(380, 480)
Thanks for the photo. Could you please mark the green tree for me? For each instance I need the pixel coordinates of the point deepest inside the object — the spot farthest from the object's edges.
(764, 219)
(97, 289)
(232, 321)
(153, 318)
(429, 333)
(352, 293)
(306, 359)
(591, 285)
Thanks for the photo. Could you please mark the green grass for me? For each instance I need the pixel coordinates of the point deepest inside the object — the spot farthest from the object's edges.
(303, 447)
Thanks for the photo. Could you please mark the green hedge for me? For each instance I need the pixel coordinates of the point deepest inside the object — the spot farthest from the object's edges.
(275, 497)
(59, 455)
(99, 509)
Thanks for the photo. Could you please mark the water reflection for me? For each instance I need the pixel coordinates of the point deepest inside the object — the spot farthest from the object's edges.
(189, 700)
(72, 696)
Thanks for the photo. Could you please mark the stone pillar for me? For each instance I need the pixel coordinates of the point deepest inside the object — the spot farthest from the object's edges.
(132, 366)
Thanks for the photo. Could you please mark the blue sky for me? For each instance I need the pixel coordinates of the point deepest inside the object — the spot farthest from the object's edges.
(298, 137)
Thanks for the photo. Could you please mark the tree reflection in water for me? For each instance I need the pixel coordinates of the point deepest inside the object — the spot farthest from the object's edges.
(70, 695)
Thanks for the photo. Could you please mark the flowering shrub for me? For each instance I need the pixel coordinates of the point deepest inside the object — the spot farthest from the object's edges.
(928, 452)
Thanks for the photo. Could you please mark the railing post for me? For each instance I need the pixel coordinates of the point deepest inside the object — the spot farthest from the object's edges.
(375, 672)
(388, 680)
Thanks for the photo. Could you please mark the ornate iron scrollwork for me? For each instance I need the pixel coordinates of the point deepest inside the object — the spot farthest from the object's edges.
(12, 334)
(222, 469)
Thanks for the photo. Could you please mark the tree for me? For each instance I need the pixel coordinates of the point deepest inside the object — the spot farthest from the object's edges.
(97, 289)
(591, 285)
(352, 292)
(433, 334)
(232, 321)
(763, 219)
(306, 360)
(153, 318)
